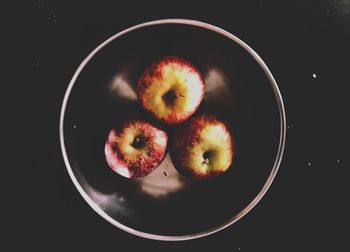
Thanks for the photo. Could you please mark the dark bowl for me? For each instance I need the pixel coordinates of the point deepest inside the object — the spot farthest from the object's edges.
(166, 205)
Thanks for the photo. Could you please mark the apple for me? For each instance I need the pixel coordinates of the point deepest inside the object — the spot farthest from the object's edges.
(203, 148)
(135, 148)
(171, 89)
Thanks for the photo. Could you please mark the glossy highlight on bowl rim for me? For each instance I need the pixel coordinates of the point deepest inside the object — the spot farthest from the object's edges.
(275, 167)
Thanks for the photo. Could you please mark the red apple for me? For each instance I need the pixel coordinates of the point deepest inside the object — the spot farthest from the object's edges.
(135, 148)
(171, 89)
(203, 148)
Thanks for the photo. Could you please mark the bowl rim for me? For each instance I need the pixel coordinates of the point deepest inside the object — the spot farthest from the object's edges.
(244, 211)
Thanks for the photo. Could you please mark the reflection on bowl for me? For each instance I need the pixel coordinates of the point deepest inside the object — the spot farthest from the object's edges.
(163, 181)
(165, 205)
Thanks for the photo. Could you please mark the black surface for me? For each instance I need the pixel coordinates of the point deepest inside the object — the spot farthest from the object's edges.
(307, 206)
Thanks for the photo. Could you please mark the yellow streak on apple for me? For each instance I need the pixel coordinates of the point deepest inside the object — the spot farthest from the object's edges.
(127, 138)
(214, 138)
(125, 143)
(186, 86)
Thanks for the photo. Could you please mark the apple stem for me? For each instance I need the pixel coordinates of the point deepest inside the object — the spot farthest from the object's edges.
(138, 142)
(207, 156)
(206, 161)
(169, 97)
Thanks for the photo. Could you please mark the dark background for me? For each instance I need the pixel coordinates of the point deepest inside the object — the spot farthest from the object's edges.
(306, 45)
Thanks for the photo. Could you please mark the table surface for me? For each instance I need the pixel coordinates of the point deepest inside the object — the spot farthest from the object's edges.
(306, 45)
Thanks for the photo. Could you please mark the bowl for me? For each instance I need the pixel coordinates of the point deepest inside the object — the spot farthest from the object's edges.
(166, 205)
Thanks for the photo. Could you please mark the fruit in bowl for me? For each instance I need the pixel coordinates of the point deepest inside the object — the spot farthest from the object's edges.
(203, 148)
(135, 148)
(171, 89)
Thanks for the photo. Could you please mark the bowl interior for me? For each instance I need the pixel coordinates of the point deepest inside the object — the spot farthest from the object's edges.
(166, 203)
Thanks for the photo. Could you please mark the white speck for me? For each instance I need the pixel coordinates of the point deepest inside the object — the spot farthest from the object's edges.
(338, 161)
(52, 18)
(239, 248)
(74, 126)
(314, 76)
(290, 126)
(37, 63)
(309, 164)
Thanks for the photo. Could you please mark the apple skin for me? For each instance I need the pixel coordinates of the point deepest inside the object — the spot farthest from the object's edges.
(135, 148)
(171, 89)
(204, 148)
